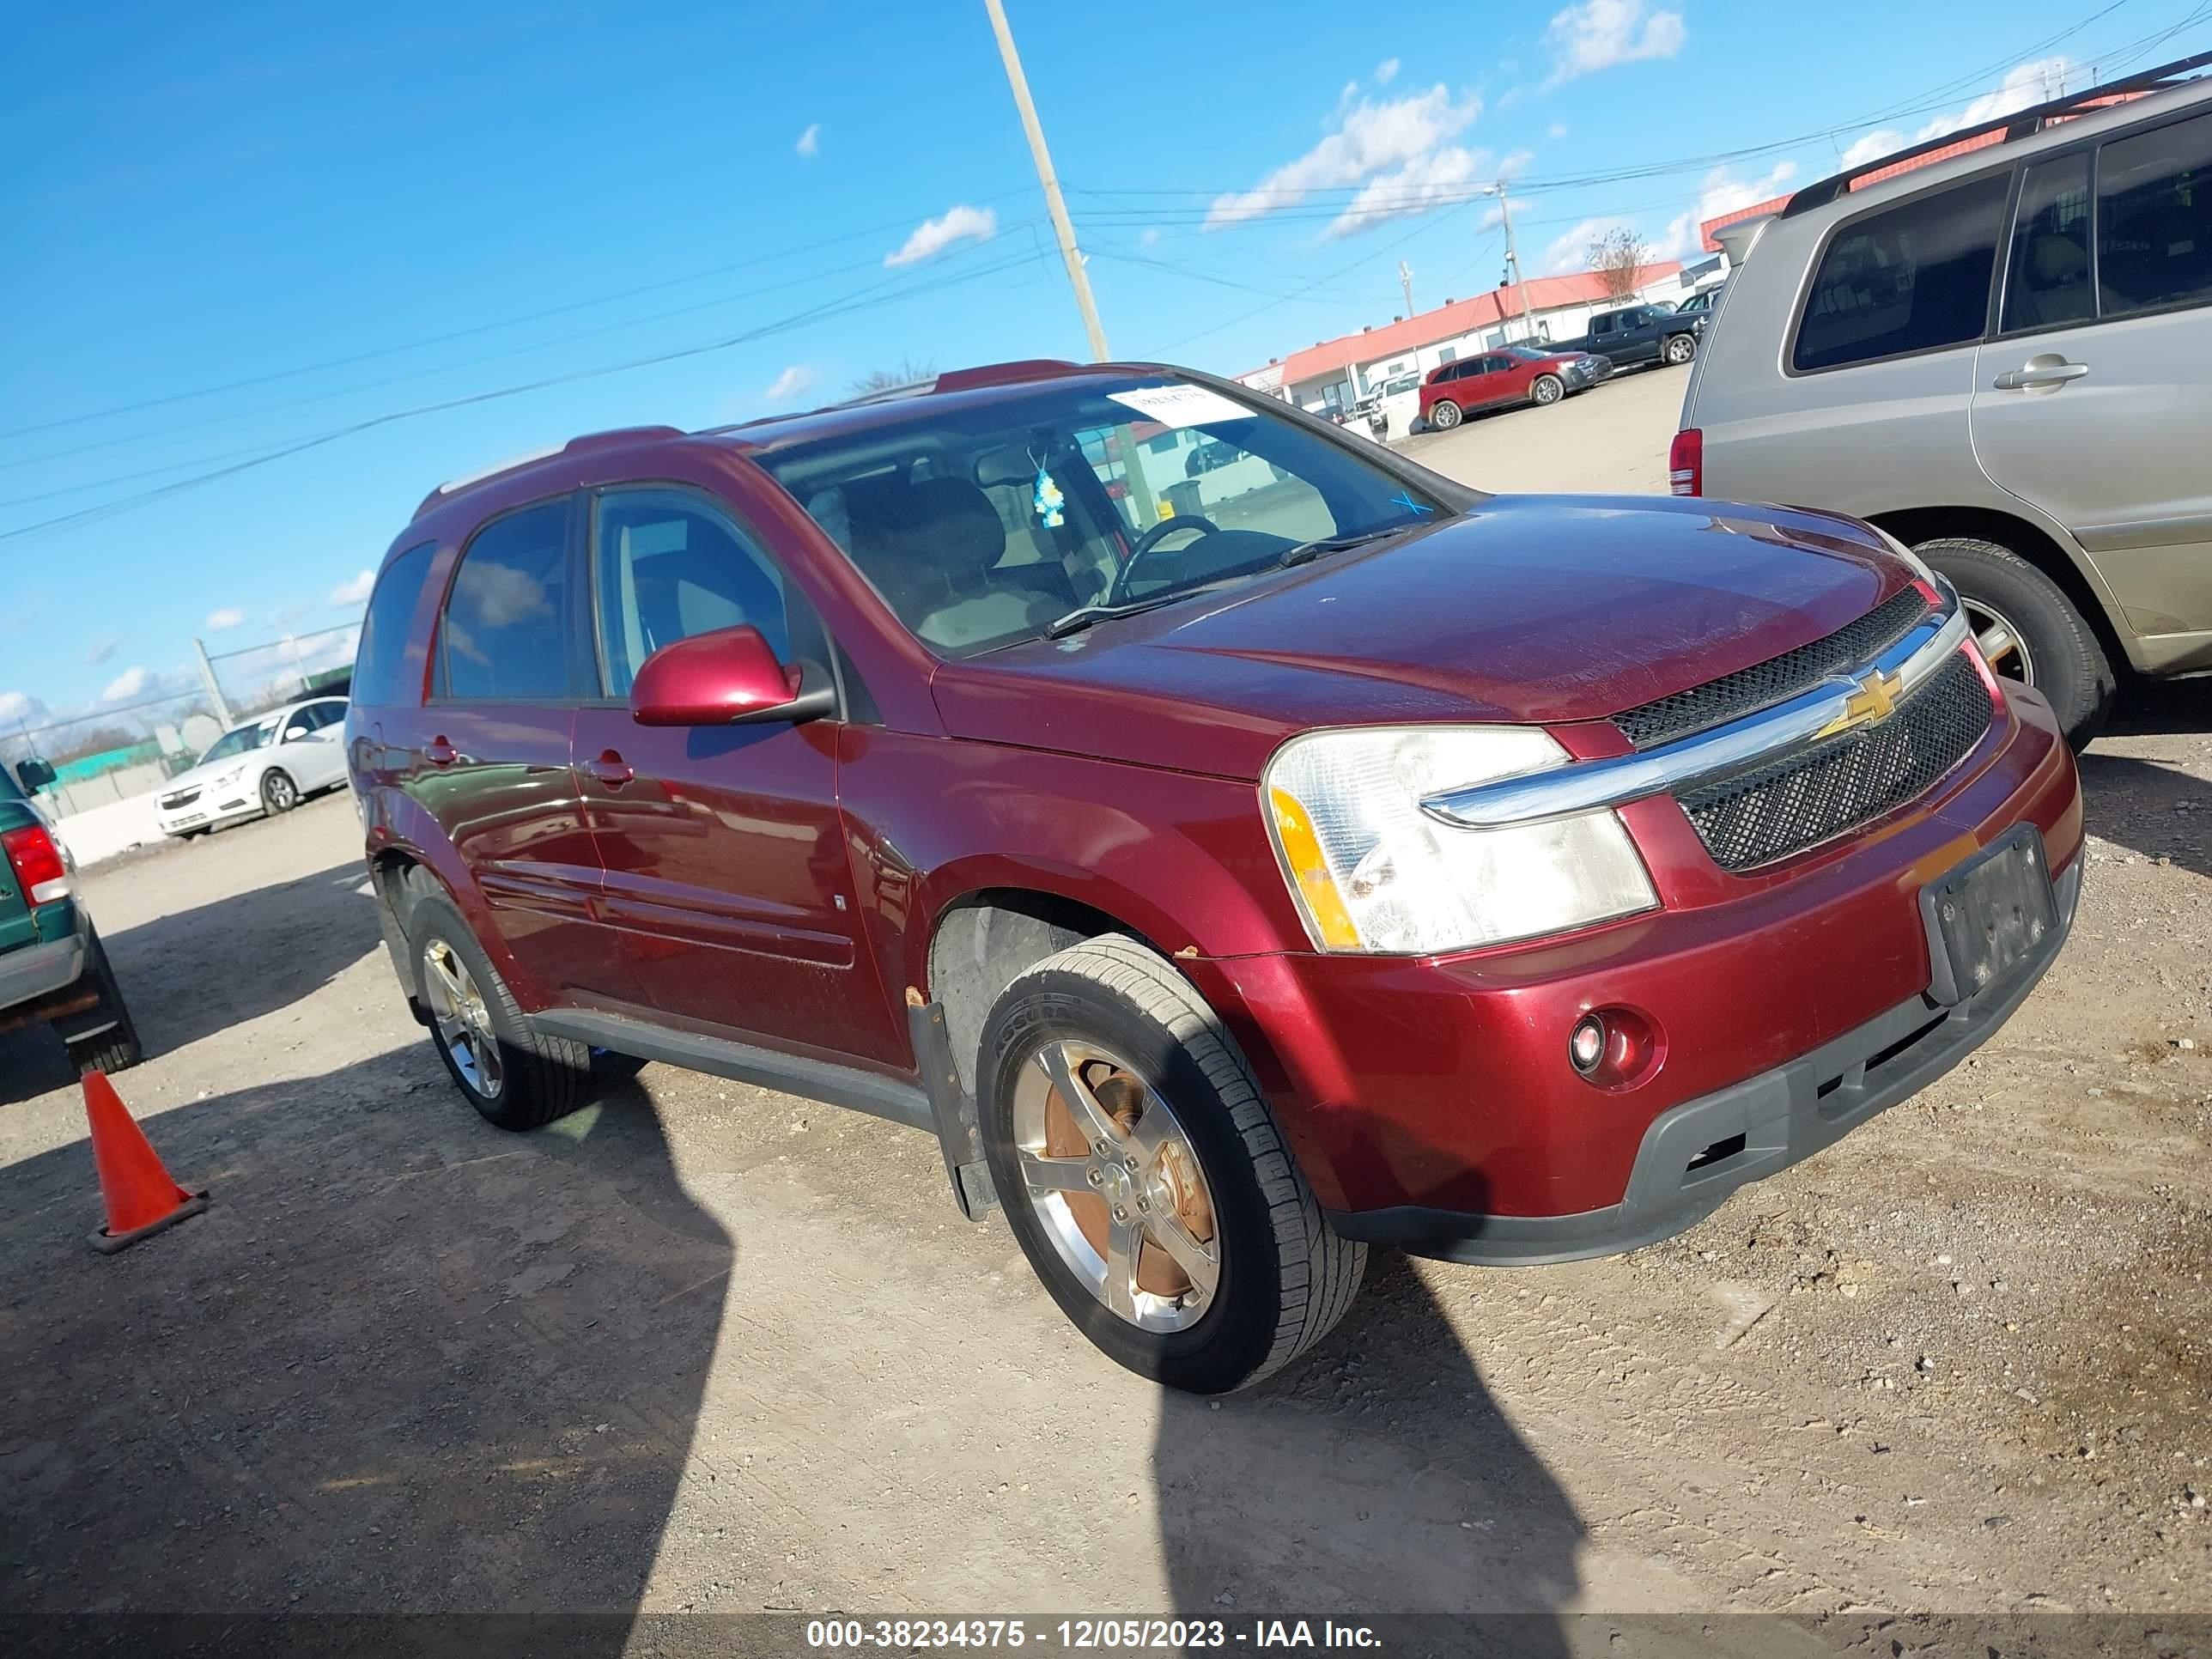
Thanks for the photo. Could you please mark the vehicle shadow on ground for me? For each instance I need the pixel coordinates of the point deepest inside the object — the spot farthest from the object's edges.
(1374, 1475)
(2153, 808)
(404, 1362)
(197, 972)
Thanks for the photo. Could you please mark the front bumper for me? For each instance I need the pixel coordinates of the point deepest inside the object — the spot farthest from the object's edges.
(210, 810)
(1695, 1155)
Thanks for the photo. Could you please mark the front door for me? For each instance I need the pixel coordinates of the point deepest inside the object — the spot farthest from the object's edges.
(724, 846)
(2093, 401)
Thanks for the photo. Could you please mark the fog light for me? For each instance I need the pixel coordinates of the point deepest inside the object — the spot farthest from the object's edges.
(1586, 1044)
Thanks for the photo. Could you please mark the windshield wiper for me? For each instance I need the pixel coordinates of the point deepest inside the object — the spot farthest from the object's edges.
(1084, 615)
(1305, 552)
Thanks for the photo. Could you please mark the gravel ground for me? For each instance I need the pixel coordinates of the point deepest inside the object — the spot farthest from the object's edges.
(703, 1347)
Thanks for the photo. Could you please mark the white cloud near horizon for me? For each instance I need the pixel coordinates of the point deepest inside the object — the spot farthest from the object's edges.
(355, 591)
(124, 686)
(2024, 84)
(1721, 192)
(958, 223)
(809, 142)
(1597, 34)
(1386, 71)
(227, 618)
(789, 384)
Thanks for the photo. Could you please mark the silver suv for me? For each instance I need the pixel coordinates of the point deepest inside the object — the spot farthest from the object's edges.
(1997, 347)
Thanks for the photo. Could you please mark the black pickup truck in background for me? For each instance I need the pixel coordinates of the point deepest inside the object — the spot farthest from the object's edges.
(1641, 334)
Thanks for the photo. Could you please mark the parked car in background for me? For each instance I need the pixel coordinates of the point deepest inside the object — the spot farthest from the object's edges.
(1999, 358)
(53, 970)
(267, 766)
(1211, 941)
(1641, 334)
(1700, 303)
(1512, 374)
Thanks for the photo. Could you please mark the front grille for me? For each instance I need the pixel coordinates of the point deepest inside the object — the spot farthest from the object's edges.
(182, 798)
(1806, 798)
(1775, 680)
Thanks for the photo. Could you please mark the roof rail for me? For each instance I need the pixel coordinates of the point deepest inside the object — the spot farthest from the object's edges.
(2020, 124)
(609, 440)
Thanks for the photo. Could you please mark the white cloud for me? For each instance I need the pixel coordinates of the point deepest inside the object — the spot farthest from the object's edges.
(809, 142)
(2028, 83)
(1570, 250)
(355, 591)
(1721, 192)
(228, 617)
(1557, 130)
(789, 384)
(124, 686)
(961, 223)
(20, 708)
(1597, 34)
(1386, 71)
(1399, 147)
(1147, 236)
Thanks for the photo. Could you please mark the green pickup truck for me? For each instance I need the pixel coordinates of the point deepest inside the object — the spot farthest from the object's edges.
(52, 969)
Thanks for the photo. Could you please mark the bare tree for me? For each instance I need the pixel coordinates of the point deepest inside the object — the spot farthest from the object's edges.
(1617, 257)
(909, 373)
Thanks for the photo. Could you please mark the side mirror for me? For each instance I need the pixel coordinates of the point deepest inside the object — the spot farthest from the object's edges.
(33, 775)
(730, 676)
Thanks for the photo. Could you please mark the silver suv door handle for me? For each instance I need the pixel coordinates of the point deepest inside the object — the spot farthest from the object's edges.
(2020, 379)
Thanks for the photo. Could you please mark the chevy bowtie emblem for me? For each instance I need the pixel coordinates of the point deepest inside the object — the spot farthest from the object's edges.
(1869, 705)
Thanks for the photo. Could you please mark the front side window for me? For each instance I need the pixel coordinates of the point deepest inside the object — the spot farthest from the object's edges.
(1911, 277)
(667, 565)
(505, 637)
(982, 523)
(2047, 274)
(2155, 218)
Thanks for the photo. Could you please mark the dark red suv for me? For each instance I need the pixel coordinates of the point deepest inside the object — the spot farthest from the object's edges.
(1230, 864)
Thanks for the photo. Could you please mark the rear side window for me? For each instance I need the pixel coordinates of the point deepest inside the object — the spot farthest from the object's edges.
(2155, 218)
(1913, 277)
(376, 664)
(2047, 281)
(506, 633)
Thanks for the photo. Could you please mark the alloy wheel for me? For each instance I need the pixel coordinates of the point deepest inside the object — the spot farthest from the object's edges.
(463, 1019)
(1113, 1177)
(2003, 647)
(278, 793)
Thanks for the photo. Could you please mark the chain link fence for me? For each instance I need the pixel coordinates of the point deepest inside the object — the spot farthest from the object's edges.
(246, 681)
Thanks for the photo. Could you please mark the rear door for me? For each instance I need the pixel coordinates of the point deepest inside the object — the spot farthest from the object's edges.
(724, 846)
(509, 669)
(314, 744)
(2093, 400)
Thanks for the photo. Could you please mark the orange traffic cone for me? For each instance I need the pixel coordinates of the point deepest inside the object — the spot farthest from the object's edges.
(141, 1197)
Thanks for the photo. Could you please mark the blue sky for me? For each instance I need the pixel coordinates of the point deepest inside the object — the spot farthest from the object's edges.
(234, 230)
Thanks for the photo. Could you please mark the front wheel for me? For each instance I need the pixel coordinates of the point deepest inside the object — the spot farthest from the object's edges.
(279, 794)
(2029, 630)
(1444, 416)
(1546, 390)
(1145, 1177)
(1678, 348)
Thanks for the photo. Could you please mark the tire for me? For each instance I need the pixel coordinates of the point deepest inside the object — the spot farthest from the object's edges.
(1281, 1278)
(279, 794)
(1446, 415)
(1546, 390)
(116, 1049)
(2031, 630)
(1678, 348)
(530, 1078)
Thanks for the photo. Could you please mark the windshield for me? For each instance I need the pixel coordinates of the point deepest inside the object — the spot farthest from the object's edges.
(1529, 353)
(982, 523)
(231, 743)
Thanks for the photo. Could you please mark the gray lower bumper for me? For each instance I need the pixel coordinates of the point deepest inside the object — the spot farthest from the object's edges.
(39, 970)
(1695, 1155)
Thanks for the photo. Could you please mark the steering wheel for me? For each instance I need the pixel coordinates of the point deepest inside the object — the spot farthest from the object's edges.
(1118, 589)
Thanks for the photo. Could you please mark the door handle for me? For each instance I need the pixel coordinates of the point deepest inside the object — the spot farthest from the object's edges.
(610, 768)
(2036, 374)
(439, 752)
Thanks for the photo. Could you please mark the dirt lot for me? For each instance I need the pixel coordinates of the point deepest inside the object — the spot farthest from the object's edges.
(704, 1347)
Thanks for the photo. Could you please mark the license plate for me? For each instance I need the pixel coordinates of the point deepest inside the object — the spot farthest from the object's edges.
(1987, 915)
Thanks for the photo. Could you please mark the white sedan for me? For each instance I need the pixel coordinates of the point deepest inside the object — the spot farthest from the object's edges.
(269, 765)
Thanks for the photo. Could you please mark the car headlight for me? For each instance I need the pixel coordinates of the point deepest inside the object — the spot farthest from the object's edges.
(224, 780)
(1371, 872)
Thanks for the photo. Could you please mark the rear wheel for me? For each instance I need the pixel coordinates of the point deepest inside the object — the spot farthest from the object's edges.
(514, 1075)
(279, 794)
(1445, 415)
(114, 1048)
(2028, 630)
(1678, 348)
(1546, 390)
(1146, 1179)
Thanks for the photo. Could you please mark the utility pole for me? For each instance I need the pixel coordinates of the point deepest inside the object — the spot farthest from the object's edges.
(1078, 278)
(213, 685)
(1406, 281)
(1512, 257)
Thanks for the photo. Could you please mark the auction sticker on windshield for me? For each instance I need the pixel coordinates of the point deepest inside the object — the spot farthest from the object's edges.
(1181, 405)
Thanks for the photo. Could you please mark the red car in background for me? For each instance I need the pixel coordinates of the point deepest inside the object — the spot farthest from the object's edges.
(1510, 374)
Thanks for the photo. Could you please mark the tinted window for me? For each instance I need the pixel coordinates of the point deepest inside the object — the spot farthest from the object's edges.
(2155, 218)
(2047, 279)
(505, 637)
(302, 724)
(1909, 278)
(384, 630)
(327, 714)
(669, 566)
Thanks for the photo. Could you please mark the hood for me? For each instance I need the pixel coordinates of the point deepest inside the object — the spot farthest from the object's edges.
(208, 771)
(1528, 609)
